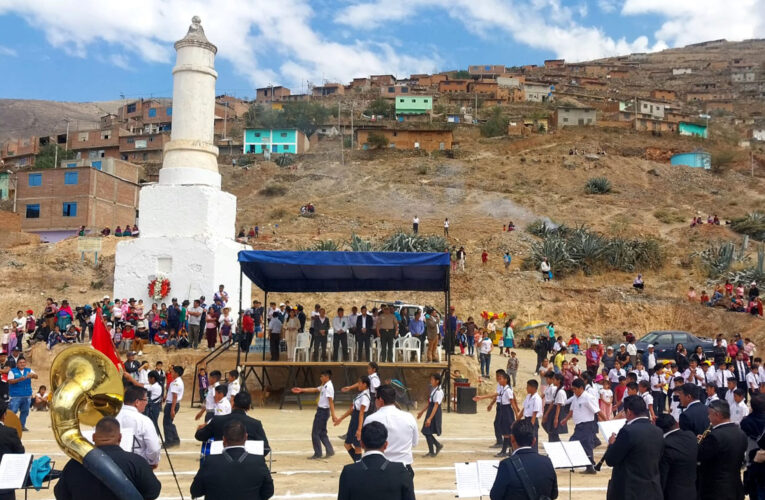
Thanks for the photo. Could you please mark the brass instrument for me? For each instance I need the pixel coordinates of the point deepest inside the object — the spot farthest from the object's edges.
(87, 386)
(704, 434)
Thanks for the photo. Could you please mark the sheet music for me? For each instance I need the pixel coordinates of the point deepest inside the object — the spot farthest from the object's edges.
(487, 473)
(576, 454)
(251, 447)
(557, 455)
(13, 470)
(468, 480)
(608, 427)
(126, 443)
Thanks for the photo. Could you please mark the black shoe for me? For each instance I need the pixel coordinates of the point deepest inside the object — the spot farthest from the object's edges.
(496, 445)
(314, 457)
(429, 455)
(330, 454)
(501, 454)
(25, 429)
(439, 447)
(343, 436)
(589, 470)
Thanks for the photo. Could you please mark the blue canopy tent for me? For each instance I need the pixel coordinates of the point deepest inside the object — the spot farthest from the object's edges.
(306, 271)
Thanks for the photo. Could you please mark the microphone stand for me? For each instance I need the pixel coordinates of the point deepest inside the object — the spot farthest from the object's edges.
(170, 462)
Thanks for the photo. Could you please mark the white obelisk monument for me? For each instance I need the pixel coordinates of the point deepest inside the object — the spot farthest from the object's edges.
(187, 223)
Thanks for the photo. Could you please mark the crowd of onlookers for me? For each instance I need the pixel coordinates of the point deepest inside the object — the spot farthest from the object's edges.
(733, 297)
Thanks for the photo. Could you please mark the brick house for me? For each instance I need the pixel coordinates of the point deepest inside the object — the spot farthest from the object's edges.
(329, 89)
(428, 140)
(143, 148)
(537, 91)
(382, 80)
(554, 63)
(451, 86)
(270, 94)
(663, 94)
(55, 203)
(431, 81)
(486, 70)
(569, 116)
(97, 143)
(22, 152)
(723, 106)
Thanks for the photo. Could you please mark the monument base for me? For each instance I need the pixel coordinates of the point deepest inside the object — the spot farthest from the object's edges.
(195, 267)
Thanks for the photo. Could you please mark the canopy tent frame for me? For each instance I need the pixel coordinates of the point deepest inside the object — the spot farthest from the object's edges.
(307, 271)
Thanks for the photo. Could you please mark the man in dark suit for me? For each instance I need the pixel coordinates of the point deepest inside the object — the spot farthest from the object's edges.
(740, 371)
(537, 469)
(678, 461)
(634, 454)
(374, 477)
(364, 324)
(234, 473)
(721, 455)
(694, 417)
(215, 427)
(77, 483)
(9, 443)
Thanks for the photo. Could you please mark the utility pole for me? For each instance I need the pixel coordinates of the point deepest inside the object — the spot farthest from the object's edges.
(751, 159)
(342, 154)
(351, 125)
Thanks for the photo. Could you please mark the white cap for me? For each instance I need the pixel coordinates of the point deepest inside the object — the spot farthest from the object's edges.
(106, 297)
(650, 346)
(6, 327)
(622, 345)
(282, 304)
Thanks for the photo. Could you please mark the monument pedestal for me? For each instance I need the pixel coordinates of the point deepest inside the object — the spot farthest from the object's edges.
(186, 235)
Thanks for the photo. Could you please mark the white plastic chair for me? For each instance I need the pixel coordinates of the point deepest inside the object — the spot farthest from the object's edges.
(410, 345)
(375, 348)
(398, 346)
(351, 346)
(301, 346)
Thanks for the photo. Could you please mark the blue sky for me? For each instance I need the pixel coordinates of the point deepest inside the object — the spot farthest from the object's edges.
(100, 50)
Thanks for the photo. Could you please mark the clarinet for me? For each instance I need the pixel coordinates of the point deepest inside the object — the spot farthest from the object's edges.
(602, 460)
(704, 435)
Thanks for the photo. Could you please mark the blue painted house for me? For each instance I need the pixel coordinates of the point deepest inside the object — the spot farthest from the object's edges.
(696, 159)
(692, 129)
(282, 141)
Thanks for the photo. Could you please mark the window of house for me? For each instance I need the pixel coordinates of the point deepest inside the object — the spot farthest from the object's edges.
(391, 89)
(33, 211)
(71, 165)
(96, 165)
(82, 136)
(404, 90)
(257, 134)
(106, 134)
(35, 180)
(69, 209)
(152, 112)
(283, 134)
(400, 100)
(130, 140)
(101, 153)
(565, 120)
(425, 101)
(71, 178)
(145, 156)
(131, 108)
(169, 111)
(123, 157)
(22, 161)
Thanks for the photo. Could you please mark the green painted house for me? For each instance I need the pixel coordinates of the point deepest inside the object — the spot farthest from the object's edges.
(692, 129)
(413, 105)
(289, 141)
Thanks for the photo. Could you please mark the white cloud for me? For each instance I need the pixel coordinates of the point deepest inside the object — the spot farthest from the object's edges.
(541, 24)
(608, 6)
(7, 51)
(693, 21)
(268, 42)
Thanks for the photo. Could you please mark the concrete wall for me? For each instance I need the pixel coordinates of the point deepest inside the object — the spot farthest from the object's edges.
(428, 140)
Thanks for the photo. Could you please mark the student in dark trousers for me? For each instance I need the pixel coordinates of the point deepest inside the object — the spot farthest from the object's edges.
(585, 412)
(507, 409)
(325, 409)
(432, 425)
(172, 405)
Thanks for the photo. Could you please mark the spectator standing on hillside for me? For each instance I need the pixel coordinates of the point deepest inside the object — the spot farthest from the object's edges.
(507, 259)
(461, 257)
(446, 227)
(545, 269)
(484, 257)
(415, 224)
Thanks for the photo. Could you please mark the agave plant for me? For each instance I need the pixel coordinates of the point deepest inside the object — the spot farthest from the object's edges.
(543, 228)
(753, 225)
(586, 249)
(718, 258)
(598, 185)
(401, 241)
(555, 250)
(755, 273)
(325, 246)
(358, 244)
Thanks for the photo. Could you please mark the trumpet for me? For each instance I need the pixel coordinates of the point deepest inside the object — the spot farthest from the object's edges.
(704, 435)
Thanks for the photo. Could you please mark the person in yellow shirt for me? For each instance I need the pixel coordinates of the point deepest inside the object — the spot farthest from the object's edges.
(559, 359)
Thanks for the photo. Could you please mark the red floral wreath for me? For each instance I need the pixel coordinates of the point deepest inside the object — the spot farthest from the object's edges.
(159, 288)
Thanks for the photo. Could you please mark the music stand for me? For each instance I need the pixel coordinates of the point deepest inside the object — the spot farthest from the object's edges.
(15, 467)
(567, 455)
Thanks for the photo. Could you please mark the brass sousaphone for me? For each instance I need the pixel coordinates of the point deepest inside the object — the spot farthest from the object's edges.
(86, 387)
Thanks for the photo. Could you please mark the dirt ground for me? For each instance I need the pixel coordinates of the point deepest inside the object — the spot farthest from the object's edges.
(466, 437)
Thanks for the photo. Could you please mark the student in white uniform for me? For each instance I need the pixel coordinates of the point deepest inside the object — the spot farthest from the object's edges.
(711, 394)
(172, 405)
(145, 440)
(357, 412)
(640, 372)
(222, 405)
(659, 381)
(324, 410)
(154, 395)
(674, 403)
(496, 400)
(143, 373)
(209, 408)
(738, 410)
(233, 386)
(432, 425)
(585, 412)
(644, 391)
(723, 374)
(616, 372)
(507, 408)
(729, 394)
(753, 380)
(553, 415)
(533, 409)
(374, 383)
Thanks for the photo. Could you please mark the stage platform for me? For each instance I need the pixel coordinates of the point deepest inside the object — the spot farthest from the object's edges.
(301, 374)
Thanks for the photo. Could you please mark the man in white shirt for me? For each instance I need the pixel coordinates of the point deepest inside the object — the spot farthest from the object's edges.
(415, 224)
(340, 327)
(194, 315)
(585, 412)
(145, 440)
(632, 351)
(172, 405)
(616, 372)
(694, 375)
(650, 359)
(402, 427)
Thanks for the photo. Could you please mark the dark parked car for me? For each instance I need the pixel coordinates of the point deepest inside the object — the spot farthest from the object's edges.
(664, 342)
